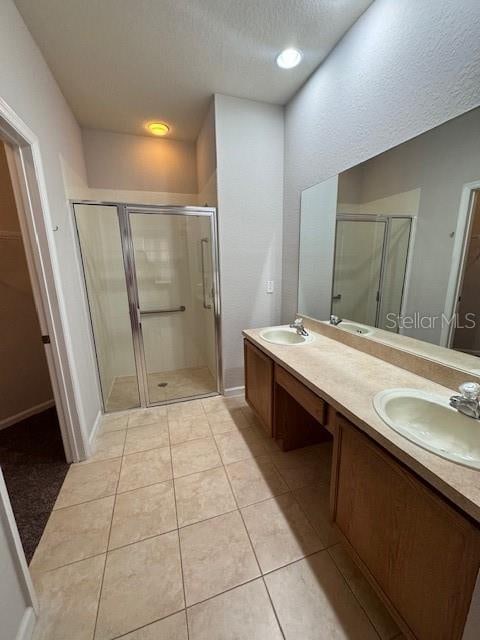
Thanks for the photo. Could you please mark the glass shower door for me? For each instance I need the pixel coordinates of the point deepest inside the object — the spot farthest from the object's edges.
(174, 274)
(107, 291)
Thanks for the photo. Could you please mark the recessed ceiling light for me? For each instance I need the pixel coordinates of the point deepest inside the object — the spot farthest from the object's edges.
(158, 128)
(289, 58)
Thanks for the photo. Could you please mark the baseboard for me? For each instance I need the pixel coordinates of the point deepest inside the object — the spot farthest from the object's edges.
(25, 630)
(234, 391)
(18, 417)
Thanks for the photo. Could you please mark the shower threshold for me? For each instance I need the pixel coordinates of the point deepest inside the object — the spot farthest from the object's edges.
(164, 386)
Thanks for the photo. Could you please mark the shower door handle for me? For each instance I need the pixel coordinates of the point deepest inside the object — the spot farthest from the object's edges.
(206, 304)
(155, 312)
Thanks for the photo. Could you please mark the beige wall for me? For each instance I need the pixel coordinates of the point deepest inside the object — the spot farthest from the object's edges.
(29, 88)
(207, 161)
(143, 163)
(24, 377)
(250, 195)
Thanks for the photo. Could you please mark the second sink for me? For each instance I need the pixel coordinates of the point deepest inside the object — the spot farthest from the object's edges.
(354, 327)
(428, 421)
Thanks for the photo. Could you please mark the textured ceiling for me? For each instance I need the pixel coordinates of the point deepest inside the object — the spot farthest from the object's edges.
(121, 63)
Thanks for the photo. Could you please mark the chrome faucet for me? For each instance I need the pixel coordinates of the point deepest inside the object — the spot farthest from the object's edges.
(468, 402)
(335, 320)
(298, 325)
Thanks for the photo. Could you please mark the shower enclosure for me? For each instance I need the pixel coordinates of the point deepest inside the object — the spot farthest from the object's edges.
(151, 278)
(370, 265)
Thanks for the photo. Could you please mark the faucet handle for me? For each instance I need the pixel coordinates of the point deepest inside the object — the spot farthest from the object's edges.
(470, 390)
(298, 322)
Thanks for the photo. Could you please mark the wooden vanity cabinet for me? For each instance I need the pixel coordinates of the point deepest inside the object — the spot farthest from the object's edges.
(420, 553)
(259, 384)
(287, 409)
(299, 416)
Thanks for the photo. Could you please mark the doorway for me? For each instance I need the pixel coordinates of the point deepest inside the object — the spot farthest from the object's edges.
(32, 455)
(466, 332)
(151, 276)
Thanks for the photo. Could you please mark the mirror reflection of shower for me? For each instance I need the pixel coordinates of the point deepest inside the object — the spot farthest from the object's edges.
(370, 267)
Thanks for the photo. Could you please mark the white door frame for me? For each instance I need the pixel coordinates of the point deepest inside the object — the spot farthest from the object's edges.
(26, 168)
(459, 254)
(7, 519)
(28, 181)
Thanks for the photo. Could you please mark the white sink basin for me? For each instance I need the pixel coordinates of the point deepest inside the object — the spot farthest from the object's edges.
(428, 421)
(358, 329)
(284, 335)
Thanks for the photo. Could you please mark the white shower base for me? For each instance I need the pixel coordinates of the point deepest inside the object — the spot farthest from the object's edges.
(181, 383)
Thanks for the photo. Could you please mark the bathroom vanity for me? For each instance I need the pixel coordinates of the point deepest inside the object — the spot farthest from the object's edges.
(409, 518)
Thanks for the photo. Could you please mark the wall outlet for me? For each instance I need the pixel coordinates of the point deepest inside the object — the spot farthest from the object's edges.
(269, 286)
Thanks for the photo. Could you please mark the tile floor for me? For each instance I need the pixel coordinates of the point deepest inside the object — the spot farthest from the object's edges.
(189, 524)
(180, 383)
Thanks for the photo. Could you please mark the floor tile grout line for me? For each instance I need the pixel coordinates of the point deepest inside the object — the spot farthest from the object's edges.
(146, 486)
(178, 538)
(186, 608)
(192, 418)
(352, 592)
(33, 568)
(108, 542)
(221, 593)
(78, 504)
(222, 465)
(144, 626)
(107, 550)
(273, 608)
(67, 564)
(255, 554)
(243, 520)
(88, 461)
(156, 535)
(178, 528)
(264, 573)
(224, 513)
(309, 520)
(129, 413)
(210, 597)
(158, 419)
(277, 468)
(172, 480)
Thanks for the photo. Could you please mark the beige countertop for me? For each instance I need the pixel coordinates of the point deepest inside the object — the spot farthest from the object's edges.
(348, 379)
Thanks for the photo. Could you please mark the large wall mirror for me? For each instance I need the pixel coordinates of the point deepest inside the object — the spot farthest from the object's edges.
(392, 246)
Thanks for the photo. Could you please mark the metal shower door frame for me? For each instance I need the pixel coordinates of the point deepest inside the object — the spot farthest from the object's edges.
(124, 213)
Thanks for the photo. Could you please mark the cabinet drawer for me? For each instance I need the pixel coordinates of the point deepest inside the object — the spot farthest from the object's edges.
(420, 553)
(314, 405)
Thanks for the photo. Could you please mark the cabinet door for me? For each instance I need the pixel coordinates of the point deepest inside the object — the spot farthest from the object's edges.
(259, 384)
(419, 552)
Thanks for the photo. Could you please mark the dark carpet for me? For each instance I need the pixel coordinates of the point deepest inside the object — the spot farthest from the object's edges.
(33, 465)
